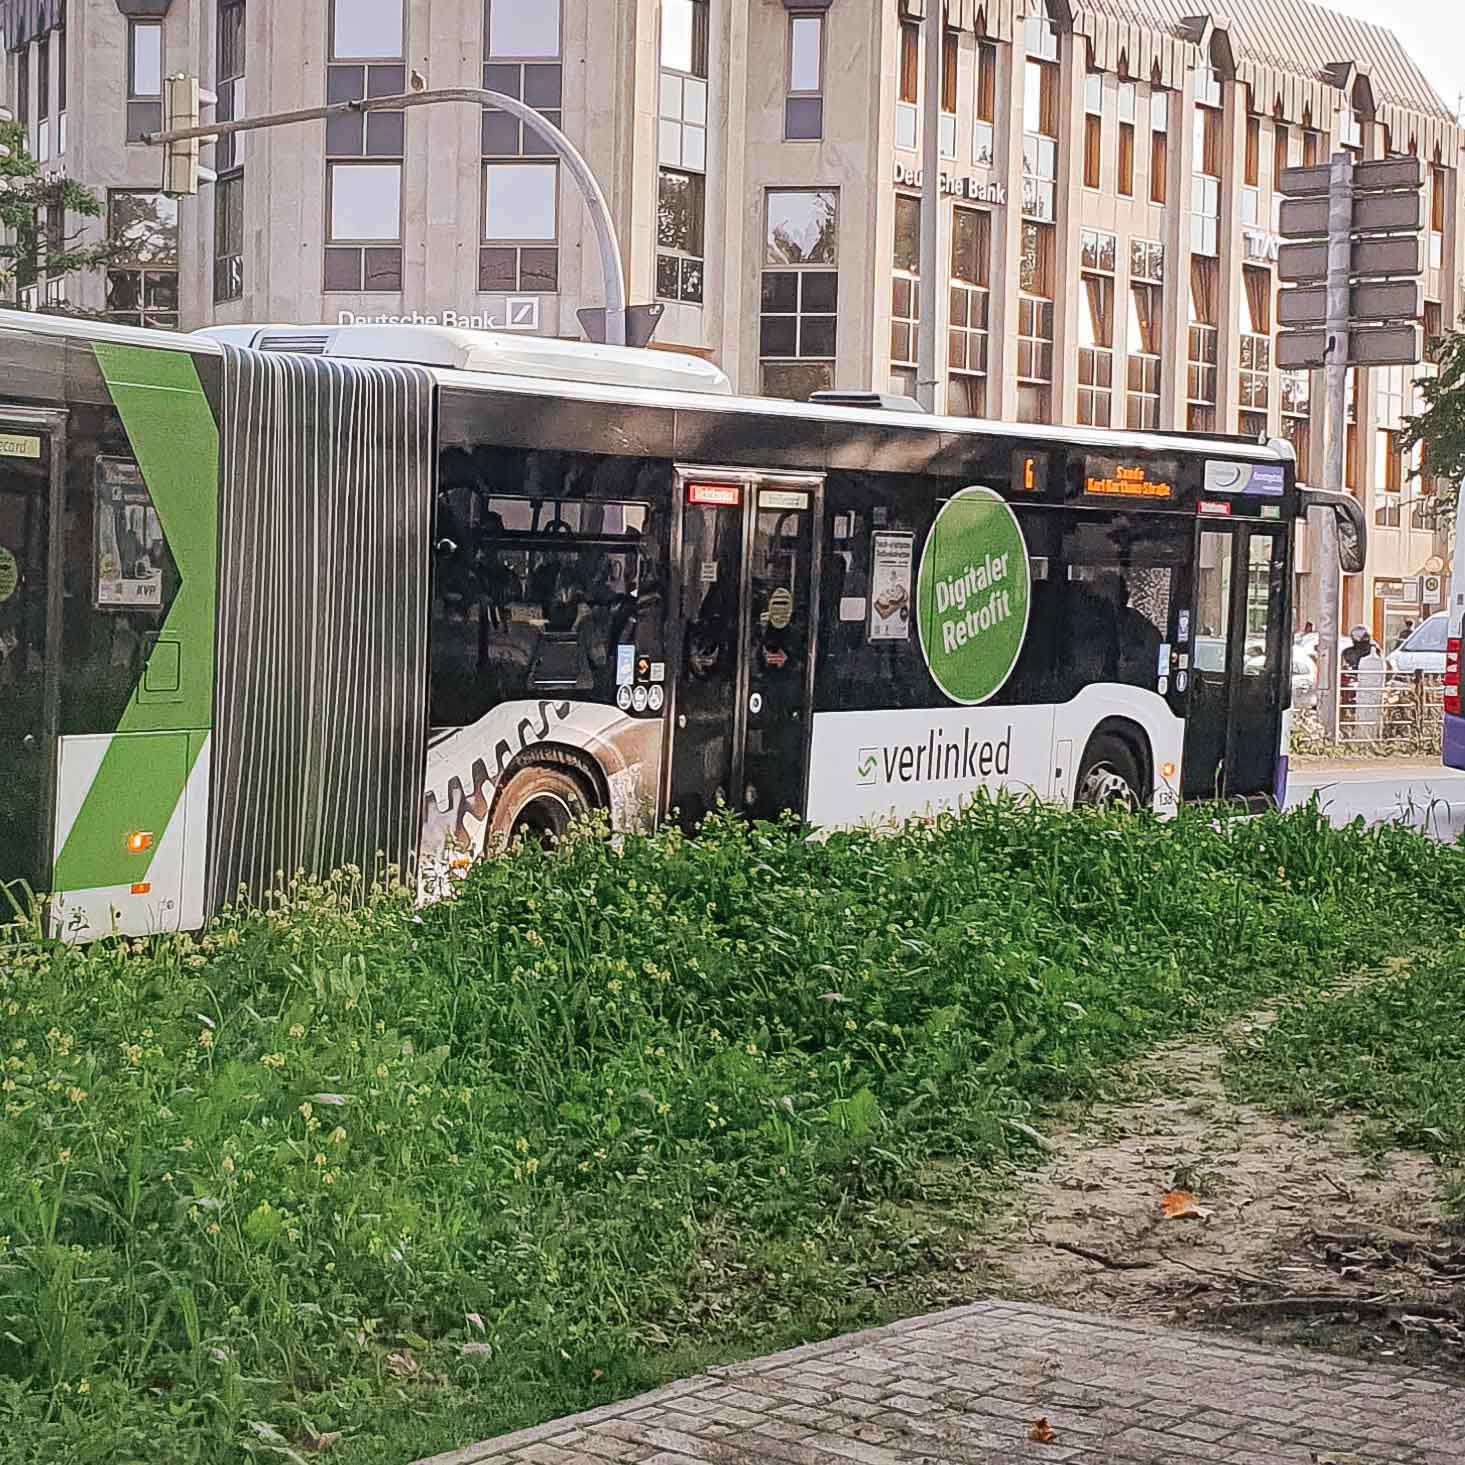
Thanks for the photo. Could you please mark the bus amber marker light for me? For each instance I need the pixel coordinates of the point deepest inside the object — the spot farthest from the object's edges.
(1452, 676)
(138, 841)
(1167, 770)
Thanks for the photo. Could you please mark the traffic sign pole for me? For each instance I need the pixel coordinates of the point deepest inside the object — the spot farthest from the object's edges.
(1329, 574)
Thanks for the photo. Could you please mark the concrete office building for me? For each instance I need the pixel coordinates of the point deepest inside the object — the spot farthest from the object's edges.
(1108, 236)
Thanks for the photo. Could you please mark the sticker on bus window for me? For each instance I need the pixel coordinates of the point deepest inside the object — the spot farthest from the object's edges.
(19, 445)
(892, 554)
(1266, 479)
(9, 574)
(852, 607)
(129, 539)
(625, 665)
(781, 608)
(777, 498)
(1183, 630)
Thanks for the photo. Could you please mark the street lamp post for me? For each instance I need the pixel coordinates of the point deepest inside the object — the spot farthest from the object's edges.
(612, 267)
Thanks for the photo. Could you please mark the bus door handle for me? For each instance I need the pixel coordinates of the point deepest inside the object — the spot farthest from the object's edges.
(682, 720)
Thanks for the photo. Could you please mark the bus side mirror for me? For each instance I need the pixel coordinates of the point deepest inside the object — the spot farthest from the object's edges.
(1352, 527)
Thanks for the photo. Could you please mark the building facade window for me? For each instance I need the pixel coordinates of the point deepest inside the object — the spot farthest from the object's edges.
(1040, 118)
(803, 108)
(519, 251)
(984, 141)
(364, 151)
(905, 295)
(1128, 111)
(144, 78)
(1389, 467)
(950, 90)
(1035, 323)
(1146, 324)
(142, 279)
(681, 203)
(1437, 215)
(1159, 146)
(1205, 181)
(908, 93)
(520, 248)
(797, 334)
(1256, 344)
(1093, 129)
(967, 335)
(682, 109)
(43, 99)
(23, 94)
(1200, 392)
(681, 211)
(1097, 251)
(63, 62)
(229, 155)
(1296, 395)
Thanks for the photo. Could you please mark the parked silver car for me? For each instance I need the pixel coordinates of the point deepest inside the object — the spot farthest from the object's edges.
(1424, 647)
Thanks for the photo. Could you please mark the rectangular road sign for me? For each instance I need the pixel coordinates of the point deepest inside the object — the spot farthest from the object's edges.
(1377, 301)
(1367, 177)
(1372, 346)
(1305, 182)
(1307, 264)
(1373, 213)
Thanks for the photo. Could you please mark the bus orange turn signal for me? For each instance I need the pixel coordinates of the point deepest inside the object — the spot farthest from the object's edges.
(138, 841)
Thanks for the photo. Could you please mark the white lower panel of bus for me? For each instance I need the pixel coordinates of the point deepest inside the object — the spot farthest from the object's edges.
(883, 767)
(466, 767)
(173, 895)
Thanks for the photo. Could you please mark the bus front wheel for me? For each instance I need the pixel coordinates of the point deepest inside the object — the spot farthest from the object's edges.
(1109, 777)
(540, 803)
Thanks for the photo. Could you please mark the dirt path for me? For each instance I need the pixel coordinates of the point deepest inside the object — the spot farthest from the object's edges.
(1289, 1210)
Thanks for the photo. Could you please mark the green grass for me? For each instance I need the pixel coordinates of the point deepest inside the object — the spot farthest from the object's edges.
(1391, 1053)
(606, 1116)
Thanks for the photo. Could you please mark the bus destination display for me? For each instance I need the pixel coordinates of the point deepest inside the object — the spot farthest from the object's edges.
(1116, 478)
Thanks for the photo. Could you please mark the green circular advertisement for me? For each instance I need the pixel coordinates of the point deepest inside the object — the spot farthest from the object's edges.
(9, 574)
(972, 595)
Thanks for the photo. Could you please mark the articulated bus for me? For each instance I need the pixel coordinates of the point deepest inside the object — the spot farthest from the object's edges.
(280, 599)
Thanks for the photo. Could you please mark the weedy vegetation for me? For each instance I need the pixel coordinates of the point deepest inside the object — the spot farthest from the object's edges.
(345, 1178)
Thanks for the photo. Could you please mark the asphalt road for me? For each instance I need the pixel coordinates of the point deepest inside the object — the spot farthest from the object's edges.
(1427, 796)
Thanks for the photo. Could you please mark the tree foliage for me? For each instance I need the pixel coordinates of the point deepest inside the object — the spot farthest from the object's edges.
(29, 201)
(1439, 430)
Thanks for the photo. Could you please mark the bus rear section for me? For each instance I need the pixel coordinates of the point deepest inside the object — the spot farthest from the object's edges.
(1452, 744)
(107, 556)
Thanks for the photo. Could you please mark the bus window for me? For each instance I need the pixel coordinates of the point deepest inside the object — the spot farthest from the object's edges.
(1123, 588)
(535, 585)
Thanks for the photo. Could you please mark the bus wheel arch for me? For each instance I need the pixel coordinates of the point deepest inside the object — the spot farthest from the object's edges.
(542, 792)
(1117, 766)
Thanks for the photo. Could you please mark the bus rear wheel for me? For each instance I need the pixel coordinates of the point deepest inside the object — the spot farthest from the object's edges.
(1109, 777)
(539, 803)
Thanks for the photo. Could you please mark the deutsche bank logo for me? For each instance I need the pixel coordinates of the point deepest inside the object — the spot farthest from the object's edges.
(867, 766)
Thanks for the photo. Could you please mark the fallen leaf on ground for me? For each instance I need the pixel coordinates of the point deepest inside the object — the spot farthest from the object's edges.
(1178, 1205)
(317, 1443)
(1041, 1432)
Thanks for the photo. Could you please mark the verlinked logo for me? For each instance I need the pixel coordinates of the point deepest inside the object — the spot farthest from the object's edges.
(936, 760)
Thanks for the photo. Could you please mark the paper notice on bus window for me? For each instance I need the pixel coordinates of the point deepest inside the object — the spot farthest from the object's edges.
(129, 544)
(891, 556)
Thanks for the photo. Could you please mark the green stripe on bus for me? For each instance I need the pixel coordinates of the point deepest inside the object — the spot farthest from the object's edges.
(176, 441)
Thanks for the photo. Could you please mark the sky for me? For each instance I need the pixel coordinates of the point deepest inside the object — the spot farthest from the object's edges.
(1433, 32)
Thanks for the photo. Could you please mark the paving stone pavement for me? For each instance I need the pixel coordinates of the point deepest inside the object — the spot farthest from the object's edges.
(967, 1386)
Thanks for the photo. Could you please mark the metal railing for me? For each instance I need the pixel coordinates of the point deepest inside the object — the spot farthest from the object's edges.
(1390, 711)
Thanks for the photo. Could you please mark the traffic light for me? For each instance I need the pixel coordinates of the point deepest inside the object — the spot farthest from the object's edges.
(183, 103)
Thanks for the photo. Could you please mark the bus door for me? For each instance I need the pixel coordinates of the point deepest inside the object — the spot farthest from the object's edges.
(1238, 662)
(32, 455)
(743, 643)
